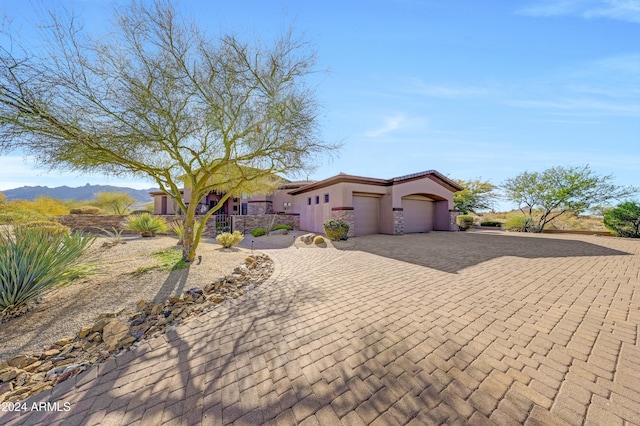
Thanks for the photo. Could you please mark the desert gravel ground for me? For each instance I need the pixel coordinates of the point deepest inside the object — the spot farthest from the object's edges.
(113, 287)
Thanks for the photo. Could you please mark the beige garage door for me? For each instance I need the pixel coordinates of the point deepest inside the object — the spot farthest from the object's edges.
(365, 215)
(418, 215)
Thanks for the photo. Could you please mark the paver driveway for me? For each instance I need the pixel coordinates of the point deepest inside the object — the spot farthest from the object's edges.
(442, 328)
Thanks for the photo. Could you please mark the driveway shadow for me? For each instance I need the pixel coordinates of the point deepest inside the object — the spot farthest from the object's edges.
(454, 251)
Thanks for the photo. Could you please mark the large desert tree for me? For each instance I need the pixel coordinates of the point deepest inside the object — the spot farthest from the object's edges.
(559, 190)
(477, 195)
(156, 96)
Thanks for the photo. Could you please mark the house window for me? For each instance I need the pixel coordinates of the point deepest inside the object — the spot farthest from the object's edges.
(235, 208)
(235, 199)
(309, 200)
(317, 199)
(326, 198)
(286, 206)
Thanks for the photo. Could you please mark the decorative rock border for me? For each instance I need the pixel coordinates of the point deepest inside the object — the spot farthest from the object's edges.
(25, 375)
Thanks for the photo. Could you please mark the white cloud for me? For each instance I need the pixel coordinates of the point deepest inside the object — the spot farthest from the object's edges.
(390, 124)
(623, 10)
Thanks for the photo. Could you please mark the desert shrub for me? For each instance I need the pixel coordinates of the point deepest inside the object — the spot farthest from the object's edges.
(85, 210)
(258, 232)
(115, 235)
(228, 239)
(464, 221)
(491, 223)
(282, 226)
(33, 260)
(318, 239)
(114, 202)
(147, 224)
(336, 229)
(624, 220)
(22, 211)
(51, 227)
(19, 216)
(519, 223)
(177, 227)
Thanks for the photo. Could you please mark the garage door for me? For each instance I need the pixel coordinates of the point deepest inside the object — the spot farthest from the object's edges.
(418, 215)
(365, 215)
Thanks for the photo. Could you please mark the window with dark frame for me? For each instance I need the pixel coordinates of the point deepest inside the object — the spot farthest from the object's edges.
(326, 198)
(309, 201)
(317, 199)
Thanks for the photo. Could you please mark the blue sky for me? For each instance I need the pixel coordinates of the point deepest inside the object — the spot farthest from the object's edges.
(472, 89)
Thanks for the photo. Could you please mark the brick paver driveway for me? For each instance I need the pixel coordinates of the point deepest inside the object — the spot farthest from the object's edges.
(442, 328)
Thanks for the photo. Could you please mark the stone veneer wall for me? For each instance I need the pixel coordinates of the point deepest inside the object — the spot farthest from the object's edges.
(453, 214)
(346, 215)
(255, 208)
(398, 221)
(95, 223)
(247, 223)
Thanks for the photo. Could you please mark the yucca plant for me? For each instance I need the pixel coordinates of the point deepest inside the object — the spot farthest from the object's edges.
(33, 260)
(147, 225)
(228, 239)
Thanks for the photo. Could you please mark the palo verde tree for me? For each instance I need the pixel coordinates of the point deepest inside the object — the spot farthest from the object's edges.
(158, 97)
(114, 202)
(477, 195)
(560, 190)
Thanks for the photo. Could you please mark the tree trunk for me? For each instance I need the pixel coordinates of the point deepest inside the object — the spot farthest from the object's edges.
(188, 246)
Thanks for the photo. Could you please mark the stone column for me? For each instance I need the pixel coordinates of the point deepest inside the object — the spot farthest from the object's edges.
(453, 214)
(398, 221)
(344, 214)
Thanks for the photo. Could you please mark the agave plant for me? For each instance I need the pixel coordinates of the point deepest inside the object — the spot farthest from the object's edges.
(147, 225)
(32, 260)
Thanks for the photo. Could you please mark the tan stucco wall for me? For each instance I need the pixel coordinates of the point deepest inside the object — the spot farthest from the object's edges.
(279, 198)
(424, 186)
(341, 195)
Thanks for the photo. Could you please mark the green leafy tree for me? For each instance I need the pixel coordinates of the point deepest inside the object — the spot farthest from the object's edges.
(156, 96)
(476, 196)
(624, 219)
(116, 202)
(560, 190)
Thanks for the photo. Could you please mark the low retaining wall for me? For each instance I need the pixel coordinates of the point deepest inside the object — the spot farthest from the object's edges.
(95, 223)
(98, 223)
(247, 223)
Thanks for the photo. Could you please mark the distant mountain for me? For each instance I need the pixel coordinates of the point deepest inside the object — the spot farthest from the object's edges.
(87, 192)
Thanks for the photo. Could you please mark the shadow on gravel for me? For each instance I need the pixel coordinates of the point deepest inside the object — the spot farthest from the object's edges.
(454, 251)
(174, 285)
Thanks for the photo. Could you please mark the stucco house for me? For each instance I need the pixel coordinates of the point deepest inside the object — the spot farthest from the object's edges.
(418, 202)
